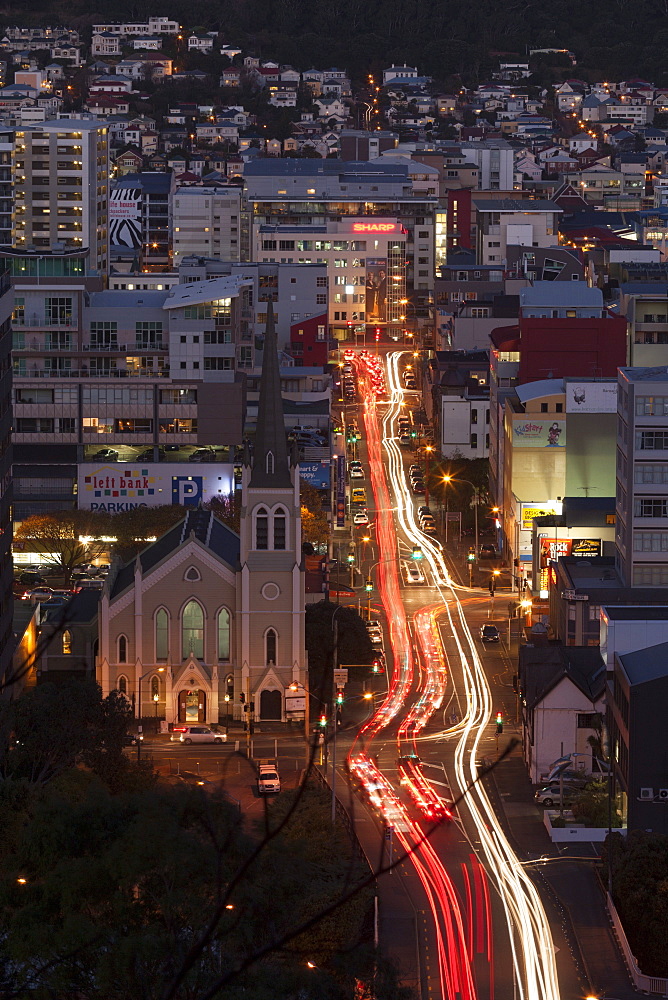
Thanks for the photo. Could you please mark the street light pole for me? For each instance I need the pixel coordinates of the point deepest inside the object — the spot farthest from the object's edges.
(427, 455)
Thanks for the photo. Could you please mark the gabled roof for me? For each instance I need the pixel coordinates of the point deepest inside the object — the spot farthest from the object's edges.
(543, 667)
(200, 524)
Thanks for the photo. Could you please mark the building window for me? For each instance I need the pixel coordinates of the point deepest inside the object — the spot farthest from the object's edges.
(594, 612)
(262, 529)
(474, 440)
(155, 687)
(192, 631)
(122, 685)
(588, 720)
(543, 407)
(66, 640)
(122, 649)
(652, 440)
(161, 635)
(223, 634)
(650, 507)
(270, 646)
(279, 529)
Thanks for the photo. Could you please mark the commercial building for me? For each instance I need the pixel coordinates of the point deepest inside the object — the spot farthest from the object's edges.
(456, 399)
(322, 195)
(563, 331)
(559, 436)
(366, 270)
(61, 187)
(140, 217)
(642, 475)
(206, 222)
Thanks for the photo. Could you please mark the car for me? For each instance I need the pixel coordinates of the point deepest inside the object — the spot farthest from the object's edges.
(567, 774)
(405, 439)
(31, 579)
(550, 795)
(360, 517)
(357, 473)
(132, 739)
(424, 509)
(413, 468)
(358, 495)
(487, 551)
(418, 487)
(413, 573)
(198, 734)
(372, 623)
(38, 594)
(105, 455)
(489, 633)
(203, 455)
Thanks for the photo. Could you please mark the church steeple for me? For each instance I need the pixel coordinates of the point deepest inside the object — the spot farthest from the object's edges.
(270, 456)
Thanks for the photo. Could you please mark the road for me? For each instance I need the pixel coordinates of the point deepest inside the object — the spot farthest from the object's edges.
(489, 933)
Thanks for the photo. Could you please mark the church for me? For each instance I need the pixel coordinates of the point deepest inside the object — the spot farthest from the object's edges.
(205, 621)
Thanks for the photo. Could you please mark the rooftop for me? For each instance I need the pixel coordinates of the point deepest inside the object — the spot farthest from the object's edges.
(561, 293)
(645, 374)
(515, 205)
(623, 612)
(648, 664)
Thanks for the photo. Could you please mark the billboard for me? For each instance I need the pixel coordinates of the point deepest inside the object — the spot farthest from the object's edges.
(553, 548)
(536, 433)
(376, 290)
(591, 397)
(125, 217)
(531, 510)
(117, 487)
(315, 473)
(583, 547)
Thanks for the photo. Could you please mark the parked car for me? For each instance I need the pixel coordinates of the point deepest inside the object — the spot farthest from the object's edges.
(203, 455)
(197, 734)
(489, 633)
(360, 518)
(358, 495)
(31, 579)
(105, 455)
(38, 594)
(550, 795)
(568, 774)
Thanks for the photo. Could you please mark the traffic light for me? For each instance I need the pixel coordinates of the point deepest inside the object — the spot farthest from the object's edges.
(351, 557)
(368, 586)
(499, 723)
(323, 720)
(377, 667)
(242, 697)
(339, 698)
(417, 552)
(413, 434)
(471, 557)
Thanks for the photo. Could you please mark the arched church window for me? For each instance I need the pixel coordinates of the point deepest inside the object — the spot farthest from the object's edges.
(279, 529)
(270, 645)
(262, 529)
(192, 631)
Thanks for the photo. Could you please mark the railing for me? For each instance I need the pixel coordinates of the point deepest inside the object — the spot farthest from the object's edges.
(43, 324)
(92, 373)
(656, 985)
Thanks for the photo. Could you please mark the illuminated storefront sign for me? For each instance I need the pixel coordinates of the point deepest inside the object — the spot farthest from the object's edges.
(376, 227)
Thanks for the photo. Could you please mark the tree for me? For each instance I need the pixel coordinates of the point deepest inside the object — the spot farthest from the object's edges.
(354, 644)
(63, 539)
(315, 527)
(227, 509)
(133, 528)
(640, 892)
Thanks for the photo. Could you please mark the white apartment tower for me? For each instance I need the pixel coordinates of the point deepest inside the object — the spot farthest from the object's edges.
(206, 223)
(61, 187)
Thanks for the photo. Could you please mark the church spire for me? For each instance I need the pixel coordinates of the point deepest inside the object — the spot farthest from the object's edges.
(270, 456)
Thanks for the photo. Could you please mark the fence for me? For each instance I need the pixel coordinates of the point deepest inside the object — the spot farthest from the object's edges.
(655, 985)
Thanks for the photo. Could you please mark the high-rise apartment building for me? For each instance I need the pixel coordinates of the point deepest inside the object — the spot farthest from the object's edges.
(61, 187)
(140, 214)
(642, 477)
(6, 186)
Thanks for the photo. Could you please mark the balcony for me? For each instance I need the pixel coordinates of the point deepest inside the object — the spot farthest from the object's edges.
(93, 373)
(38, 323)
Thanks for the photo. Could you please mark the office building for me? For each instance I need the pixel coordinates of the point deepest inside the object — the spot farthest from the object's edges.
(642, 476)
(61, 187)
(322, 196)
(140, 217)
(206, 222)
(514, 222)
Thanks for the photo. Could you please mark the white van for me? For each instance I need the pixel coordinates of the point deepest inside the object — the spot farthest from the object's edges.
(268, 779)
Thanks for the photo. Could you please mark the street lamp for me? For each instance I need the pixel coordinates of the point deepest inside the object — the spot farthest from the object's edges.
(154, 670)
(227, 711)
(476, 501)
(155, 702)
